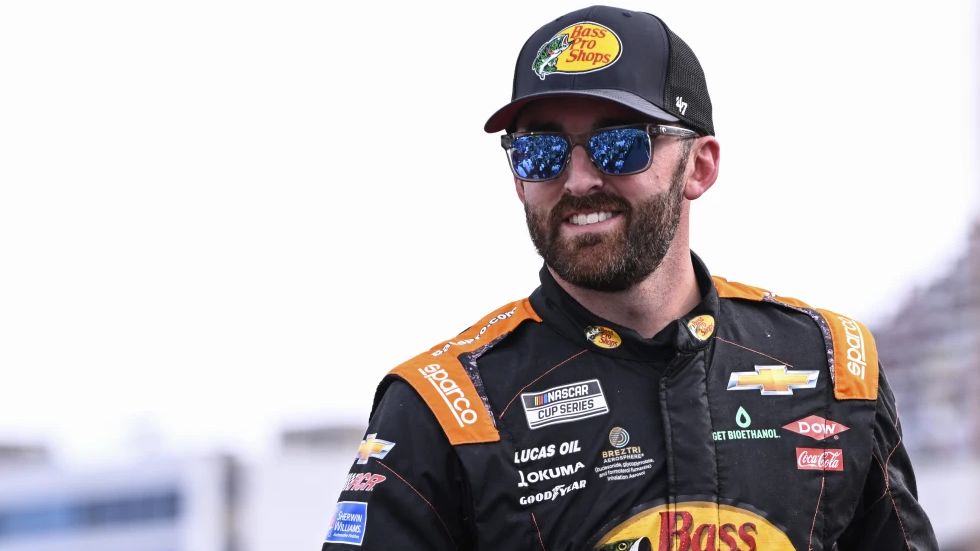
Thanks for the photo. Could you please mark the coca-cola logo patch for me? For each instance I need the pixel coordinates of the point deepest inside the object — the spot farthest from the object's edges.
(819, 459)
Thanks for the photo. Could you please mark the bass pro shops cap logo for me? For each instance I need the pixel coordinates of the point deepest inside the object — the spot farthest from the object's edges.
(578, 48)
(694, 525)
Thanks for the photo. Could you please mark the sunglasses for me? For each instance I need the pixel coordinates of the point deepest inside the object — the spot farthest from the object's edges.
(616, 150)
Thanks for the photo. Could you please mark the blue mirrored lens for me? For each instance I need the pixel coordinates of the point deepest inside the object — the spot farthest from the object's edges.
(621, 151)
(538, 157)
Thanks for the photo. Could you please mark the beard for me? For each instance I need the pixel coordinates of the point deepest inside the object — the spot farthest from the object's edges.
(615, 261)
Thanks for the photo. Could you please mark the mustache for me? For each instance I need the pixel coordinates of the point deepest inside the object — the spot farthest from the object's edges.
(595, 201)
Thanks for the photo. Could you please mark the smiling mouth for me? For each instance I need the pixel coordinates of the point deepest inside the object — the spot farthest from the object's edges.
(588, 218)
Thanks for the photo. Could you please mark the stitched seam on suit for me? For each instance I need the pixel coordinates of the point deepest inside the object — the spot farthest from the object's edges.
(888, 488)
(538, 378)
(816, 511)
(538, 530)
(787, 364)
(407, 483)
(714, 444)
(884, 478)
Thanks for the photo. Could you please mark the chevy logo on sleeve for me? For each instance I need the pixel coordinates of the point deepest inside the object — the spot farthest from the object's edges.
(564, 404)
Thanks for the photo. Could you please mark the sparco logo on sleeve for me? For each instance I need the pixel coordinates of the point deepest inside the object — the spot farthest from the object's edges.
(457, 402)
(857, 362)
(564, 404)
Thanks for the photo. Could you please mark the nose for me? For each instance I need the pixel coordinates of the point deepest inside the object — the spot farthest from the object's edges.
(581, 176)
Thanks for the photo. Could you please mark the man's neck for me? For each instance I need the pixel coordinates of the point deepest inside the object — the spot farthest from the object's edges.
(665, 295)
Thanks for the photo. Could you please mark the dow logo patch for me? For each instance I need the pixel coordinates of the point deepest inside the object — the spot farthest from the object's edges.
(581, 47)
(564, 404)
(816, 427)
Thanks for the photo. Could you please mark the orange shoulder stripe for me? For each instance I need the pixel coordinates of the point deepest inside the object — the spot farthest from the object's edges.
(732, 289)
(855, 364)
(445, 386)
(855, 358)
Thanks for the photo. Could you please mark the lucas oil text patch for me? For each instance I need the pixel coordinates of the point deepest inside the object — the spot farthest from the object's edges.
(564, 404)
(581, 47)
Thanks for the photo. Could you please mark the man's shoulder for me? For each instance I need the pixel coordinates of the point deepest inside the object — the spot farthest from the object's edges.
(441, 379)
(851, 350)
(487, 330)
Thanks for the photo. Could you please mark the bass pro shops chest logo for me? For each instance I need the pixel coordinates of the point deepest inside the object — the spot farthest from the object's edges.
(578, 48)
(695, 526)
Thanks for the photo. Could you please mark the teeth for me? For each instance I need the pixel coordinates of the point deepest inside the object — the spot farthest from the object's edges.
(591, 218)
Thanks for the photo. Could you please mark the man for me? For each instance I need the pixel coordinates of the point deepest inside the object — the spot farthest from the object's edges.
(633, 401)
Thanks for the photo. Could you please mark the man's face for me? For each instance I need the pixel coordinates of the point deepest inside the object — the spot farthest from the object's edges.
(596, 231)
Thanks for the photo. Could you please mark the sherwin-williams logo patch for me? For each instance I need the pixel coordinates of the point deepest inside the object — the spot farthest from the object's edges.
(694, 525)
(564, 404)
(701, 327)
(348, 523)
(603, 337)
(373, 447)
(773, 380)
(578, 48)
(816, 427)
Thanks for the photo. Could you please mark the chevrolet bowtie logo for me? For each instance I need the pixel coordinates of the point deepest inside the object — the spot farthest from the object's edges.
(773, 380)
(373, 447)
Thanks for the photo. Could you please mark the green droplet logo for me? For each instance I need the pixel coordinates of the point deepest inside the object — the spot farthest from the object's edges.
(742, 418)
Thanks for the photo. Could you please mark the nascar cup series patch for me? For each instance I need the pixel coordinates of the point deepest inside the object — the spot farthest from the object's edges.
(564, 404)
(582, 47)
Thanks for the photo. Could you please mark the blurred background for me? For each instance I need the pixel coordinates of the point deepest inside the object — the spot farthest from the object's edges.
(222, 222)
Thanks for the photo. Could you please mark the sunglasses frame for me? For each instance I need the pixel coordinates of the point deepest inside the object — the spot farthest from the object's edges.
(653, 130)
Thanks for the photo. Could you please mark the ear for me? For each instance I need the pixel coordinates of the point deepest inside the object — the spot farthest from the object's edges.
(519, 187)
(705, 157)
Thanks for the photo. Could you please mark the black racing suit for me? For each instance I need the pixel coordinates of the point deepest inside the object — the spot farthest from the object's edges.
(753, 422)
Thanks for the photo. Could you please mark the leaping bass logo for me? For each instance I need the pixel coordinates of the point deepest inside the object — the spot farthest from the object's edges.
(578, 48)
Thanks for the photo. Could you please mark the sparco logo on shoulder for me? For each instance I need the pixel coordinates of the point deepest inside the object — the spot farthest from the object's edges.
(456, 401)
(857, 362)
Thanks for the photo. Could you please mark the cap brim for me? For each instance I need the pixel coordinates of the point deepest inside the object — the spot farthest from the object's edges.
(504, 117)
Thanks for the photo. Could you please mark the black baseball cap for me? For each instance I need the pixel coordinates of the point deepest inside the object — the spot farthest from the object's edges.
(624, 56)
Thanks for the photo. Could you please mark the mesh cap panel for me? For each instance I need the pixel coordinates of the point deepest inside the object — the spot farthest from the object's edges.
(686, 93)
